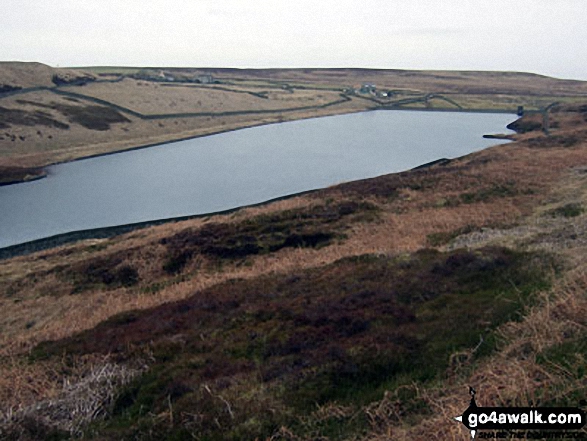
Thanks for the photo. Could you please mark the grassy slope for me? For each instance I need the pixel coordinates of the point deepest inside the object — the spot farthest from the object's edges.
(23, 75)
(325, 315)
(275, 347)
(15, 76)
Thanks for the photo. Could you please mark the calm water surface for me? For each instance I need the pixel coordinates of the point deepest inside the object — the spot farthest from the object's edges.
(237, 168)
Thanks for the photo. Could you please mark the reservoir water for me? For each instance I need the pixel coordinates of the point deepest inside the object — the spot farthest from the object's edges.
(237, 168)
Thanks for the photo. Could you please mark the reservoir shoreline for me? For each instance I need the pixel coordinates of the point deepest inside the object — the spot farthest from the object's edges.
(57, 240)
(43, 170)
(228, 173)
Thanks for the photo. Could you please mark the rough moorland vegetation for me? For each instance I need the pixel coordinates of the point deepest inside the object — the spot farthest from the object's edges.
(362, 311)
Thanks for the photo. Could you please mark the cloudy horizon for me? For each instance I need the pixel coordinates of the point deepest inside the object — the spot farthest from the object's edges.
(528, 35)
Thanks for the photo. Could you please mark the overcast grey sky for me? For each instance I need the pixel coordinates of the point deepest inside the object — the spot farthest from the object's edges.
(541, 36)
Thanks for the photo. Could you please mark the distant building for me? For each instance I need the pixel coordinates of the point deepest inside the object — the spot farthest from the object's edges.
(205, 79)
(368, 88)
(164, 76)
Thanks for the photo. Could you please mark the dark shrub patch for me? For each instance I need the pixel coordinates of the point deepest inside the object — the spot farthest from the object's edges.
(176, 262)
(307, 228)
(123, 318)
(485, 194)
(20, 117)
(31, 428)
(303, 240)
(77, 80)
(125, 276)
(387, 188)
(568, 210)
(110, 272)
(526, 124)
(92, 117)
(555, 141)
(566, 140)
(455, 262)
(4, 88)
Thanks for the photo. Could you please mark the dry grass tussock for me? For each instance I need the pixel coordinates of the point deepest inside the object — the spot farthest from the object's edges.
(67, 399)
